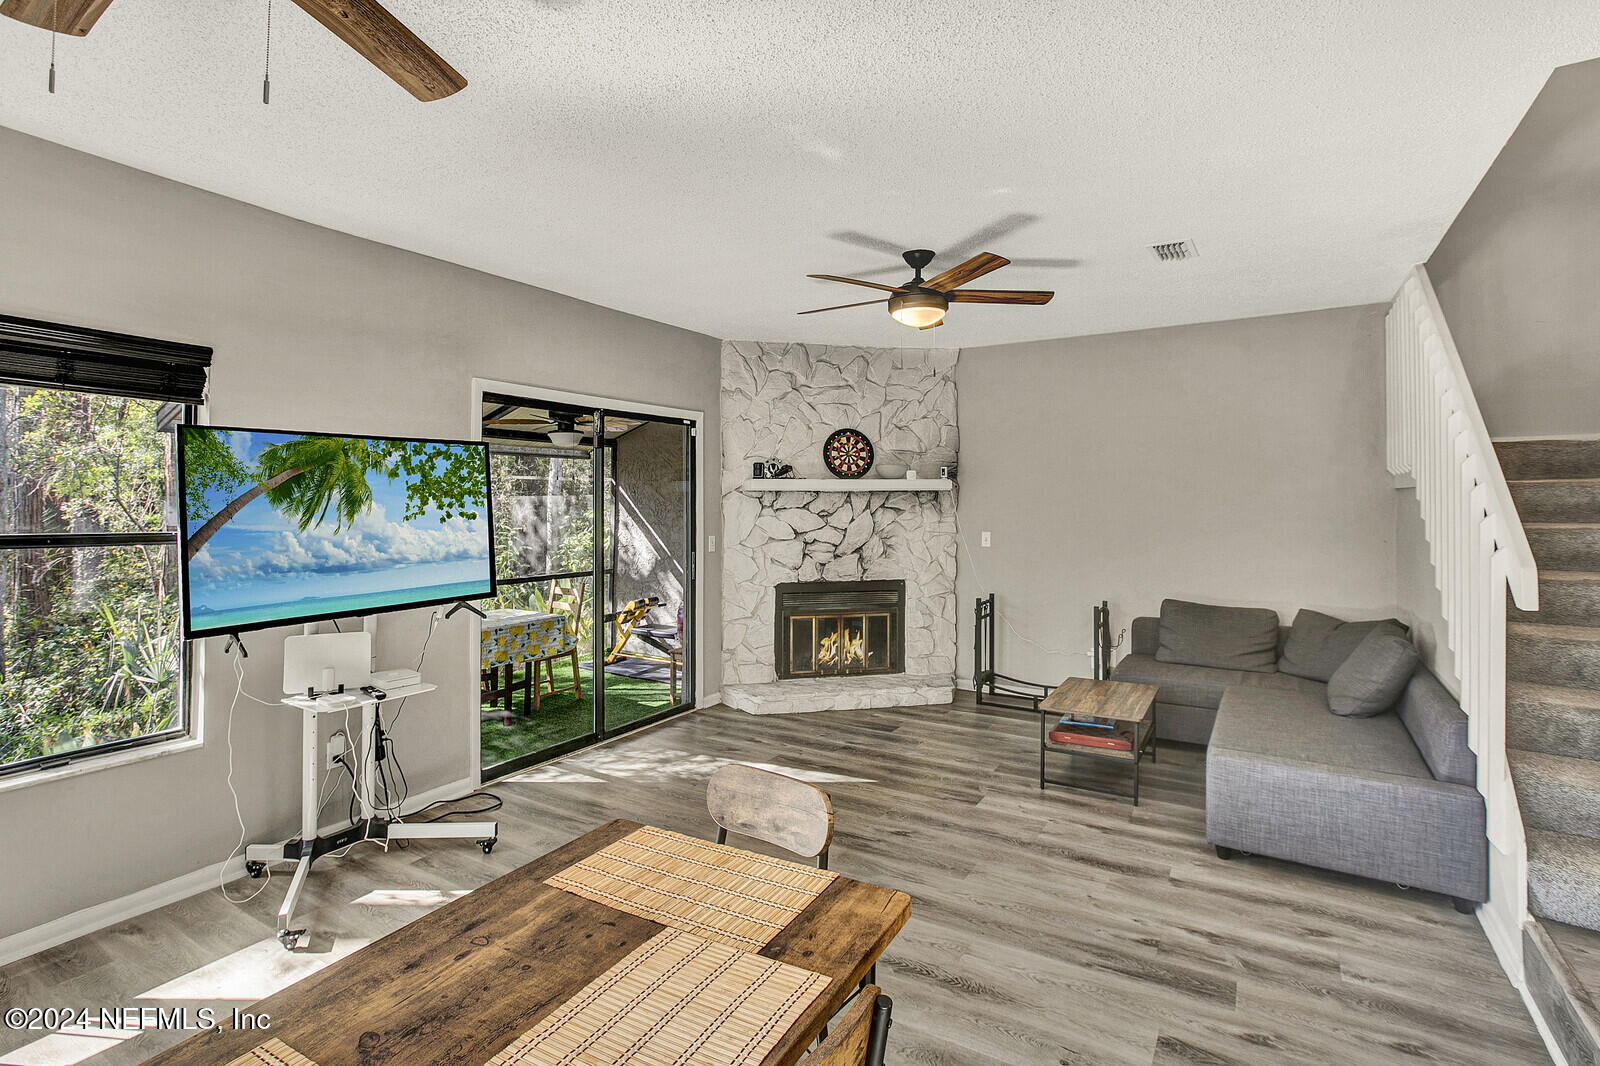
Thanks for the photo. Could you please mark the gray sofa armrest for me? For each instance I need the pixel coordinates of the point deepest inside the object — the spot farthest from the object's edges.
(1412, 831)
(1144, 636)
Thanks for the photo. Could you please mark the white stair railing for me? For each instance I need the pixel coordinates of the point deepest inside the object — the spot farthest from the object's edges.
(1478, 547)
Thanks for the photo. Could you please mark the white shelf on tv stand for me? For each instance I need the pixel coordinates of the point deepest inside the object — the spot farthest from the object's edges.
(837, 484)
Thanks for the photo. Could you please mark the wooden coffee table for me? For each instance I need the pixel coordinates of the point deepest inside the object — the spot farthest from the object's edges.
(1116, 702)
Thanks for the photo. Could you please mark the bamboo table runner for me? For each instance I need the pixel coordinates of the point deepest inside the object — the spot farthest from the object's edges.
(677, 1000)
(272, 1053)
(715, 891)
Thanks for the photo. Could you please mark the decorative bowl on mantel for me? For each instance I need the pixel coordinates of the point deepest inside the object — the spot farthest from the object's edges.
(891, 471)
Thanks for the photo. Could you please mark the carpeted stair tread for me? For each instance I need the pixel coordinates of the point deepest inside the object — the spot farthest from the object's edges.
(1557, 792)
(1530, 460)
(1556, 719)
(1553, 654)
(1566, 597)
(1557, 499)
(1564, 545)
(1564, 878)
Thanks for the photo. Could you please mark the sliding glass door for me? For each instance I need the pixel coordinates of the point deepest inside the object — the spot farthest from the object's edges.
(594, 529)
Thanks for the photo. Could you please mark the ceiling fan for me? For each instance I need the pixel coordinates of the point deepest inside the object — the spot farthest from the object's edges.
(922, 304)
(365, 25)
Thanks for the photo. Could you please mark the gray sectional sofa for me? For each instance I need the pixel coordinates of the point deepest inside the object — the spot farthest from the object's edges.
(1389, 796)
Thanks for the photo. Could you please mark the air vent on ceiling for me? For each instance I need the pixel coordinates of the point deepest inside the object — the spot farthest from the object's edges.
(1171, 253)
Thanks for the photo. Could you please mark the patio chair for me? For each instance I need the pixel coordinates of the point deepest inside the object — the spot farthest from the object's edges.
(565, 600)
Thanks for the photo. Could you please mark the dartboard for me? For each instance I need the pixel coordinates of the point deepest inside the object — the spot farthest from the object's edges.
(848, 453)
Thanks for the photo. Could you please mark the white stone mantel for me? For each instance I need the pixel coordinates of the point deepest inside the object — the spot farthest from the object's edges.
(837, 484)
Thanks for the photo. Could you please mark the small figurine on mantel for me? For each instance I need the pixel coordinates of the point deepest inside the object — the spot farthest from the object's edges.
(771, 468)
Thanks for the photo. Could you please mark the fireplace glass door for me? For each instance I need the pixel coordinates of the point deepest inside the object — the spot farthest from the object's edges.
(837, 628)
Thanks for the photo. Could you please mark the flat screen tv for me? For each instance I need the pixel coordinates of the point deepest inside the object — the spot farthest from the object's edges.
(279, 528)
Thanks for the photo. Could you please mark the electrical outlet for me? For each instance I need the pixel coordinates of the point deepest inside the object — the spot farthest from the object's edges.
(984, 541)
(336, 746)
(711, 544)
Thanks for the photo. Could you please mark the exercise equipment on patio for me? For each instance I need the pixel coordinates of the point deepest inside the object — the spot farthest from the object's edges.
(633, 620)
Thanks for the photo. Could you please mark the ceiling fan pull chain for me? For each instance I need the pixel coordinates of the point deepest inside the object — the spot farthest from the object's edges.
(266, 77)
(54, 4)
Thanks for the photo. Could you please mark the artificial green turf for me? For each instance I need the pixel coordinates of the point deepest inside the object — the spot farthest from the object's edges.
(564, 717)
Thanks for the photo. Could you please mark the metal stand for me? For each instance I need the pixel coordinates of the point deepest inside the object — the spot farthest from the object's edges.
(310, 846)
(992, 688)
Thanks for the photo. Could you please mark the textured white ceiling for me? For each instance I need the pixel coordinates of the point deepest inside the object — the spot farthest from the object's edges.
(691, 161)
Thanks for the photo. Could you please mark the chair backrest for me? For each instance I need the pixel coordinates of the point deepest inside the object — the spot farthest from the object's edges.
(851, 1042)
(780, 810)
(568, 600)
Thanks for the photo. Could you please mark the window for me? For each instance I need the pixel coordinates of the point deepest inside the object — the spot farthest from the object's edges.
(91, 650)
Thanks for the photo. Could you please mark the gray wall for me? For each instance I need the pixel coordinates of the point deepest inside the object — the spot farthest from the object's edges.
(1518, 272)
(1233, 462)
(312, 330)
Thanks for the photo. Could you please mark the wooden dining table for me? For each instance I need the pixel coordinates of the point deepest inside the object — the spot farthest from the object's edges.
(461, 983)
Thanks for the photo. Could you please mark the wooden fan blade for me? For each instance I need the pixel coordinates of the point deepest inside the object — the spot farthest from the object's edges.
(1000, 296)
(76, 17)
(383, 40)
(518, 422)
(855, 281)
(841, 307)
(971, 270)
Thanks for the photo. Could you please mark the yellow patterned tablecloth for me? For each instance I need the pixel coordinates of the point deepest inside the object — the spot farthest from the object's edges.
(514, 637)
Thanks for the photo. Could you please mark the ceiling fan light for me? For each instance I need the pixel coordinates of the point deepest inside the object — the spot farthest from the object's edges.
(565, 438)
(919, 310)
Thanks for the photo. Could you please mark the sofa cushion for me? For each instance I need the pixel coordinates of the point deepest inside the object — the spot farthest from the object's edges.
(1192, 686)
(1294, 726)
(1371, 680)
(1225, 638)
(1319, 643)
(1438, 726)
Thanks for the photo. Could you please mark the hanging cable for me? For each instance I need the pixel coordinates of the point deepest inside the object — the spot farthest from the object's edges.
(266, 76)
(54, 4)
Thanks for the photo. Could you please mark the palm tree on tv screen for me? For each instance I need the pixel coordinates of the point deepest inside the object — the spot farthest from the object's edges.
(310, 476)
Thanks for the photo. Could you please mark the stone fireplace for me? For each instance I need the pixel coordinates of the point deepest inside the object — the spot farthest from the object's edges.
(780, 401)
(839, 628)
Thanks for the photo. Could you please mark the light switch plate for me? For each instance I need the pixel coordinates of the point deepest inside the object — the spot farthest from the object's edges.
(985, 538)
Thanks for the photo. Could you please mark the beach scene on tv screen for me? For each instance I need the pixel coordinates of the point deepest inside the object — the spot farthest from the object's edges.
(282, 526)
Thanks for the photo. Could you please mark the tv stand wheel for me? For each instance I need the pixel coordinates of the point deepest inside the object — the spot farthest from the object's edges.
(1463, 906)
(486, 845)
(1225, 853)
(255, 868)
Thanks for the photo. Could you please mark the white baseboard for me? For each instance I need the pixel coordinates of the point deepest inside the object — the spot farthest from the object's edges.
(90, 919)
(71, 926)
(710, 699)
(1547, 436)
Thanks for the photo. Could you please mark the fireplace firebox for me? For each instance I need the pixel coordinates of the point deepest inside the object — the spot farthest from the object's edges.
(837, 628)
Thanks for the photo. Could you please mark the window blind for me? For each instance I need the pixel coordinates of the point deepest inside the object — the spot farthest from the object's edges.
(52, 356)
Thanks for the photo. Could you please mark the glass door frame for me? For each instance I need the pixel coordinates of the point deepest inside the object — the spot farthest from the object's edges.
(694, 511)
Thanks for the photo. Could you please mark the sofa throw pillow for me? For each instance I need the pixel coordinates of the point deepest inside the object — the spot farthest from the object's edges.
(1371, 680)
(1229, 638)
(1318, 643)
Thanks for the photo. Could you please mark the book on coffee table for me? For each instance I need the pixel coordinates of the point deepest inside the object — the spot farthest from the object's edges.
(1109, 739)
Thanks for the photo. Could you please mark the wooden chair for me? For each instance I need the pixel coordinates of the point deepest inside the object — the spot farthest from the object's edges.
(861, 1035)
(567, 600)
(794, 815)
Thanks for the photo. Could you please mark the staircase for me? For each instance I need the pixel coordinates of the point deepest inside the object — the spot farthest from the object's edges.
(1553, 727)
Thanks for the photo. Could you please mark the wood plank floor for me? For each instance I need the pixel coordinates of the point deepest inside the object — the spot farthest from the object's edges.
(1050, 928)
